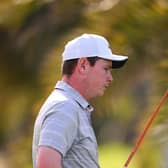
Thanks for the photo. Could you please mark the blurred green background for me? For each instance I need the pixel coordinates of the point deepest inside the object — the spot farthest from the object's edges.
(32, 37)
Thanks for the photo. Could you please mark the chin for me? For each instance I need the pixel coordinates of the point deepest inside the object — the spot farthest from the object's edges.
(101, 94)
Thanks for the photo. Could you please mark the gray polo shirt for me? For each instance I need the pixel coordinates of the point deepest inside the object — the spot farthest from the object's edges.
(64, 124)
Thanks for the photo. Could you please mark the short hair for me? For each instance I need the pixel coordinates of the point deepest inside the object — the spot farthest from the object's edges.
(69, 65)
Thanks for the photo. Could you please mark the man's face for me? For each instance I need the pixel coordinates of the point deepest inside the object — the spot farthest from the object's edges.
(99, 77)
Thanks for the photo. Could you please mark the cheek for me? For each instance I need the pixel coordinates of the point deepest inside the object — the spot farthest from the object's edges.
(98, 77)
(93, 79)
(100, 74)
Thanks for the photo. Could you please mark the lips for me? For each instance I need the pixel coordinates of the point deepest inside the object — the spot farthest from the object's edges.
(106, 86)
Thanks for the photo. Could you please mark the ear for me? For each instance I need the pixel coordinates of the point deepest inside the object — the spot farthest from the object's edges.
(83, 65)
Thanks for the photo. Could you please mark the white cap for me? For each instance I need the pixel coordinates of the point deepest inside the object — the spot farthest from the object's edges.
(92, 45)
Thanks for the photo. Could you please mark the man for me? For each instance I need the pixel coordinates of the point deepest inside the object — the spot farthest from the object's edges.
(63, 134)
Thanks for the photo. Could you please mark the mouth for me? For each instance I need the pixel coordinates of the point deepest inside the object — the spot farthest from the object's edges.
(106, 86)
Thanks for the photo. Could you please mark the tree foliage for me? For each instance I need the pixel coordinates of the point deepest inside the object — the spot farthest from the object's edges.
(33, 34)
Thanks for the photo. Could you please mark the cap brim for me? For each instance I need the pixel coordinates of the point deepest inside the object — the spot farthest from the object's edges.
(118, 64)
(118, 61)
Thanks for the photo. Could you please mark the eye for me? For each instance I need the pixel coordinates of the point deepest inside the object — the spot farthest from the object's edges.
(106, 69)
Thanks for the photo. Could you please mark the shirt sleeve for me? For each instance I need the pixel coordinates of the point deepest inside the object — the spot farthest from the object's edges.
(59, 127)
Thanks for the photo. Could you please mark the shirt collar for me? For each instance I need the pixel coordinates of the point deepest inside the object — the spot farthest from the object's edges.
(74, 94)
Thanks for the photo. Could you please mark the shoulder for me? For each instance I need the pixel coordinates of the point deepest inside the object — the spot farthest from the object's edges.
(58, 101)
(60, 105)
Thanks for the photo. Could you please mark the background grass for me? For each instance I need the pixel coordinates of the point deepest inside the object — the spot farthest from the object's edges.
(114, 155)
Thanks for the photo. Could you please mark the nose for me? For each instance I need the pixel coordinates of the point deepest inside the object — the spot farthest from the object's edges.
(110, 77)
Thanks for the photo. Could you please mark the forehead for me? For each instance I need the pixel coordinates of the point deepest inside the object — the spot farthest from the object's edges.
(104, 62)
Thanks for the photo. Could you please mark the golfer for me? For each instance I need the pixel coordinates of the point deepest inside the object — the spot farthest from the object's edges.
(63, 134)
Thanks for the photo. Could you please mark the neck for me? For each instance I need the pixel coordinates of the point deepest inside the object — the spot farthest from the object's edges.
(78, 84)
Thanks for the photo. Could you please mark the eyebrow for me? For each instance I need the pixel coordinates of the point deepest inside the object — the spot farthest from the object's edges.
(109, 66)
